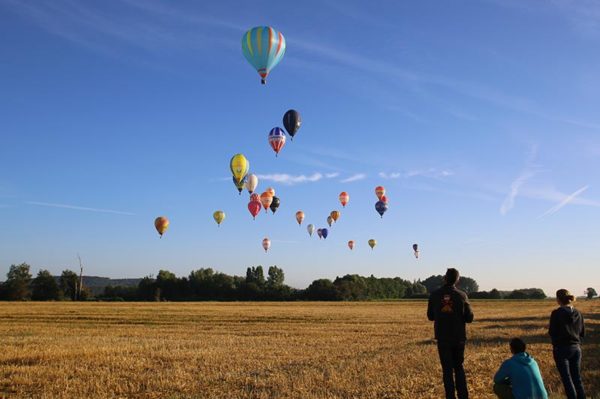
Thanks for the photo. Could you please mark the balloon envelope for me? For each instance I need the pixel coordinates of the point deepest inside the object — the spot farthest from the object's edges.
(381, 207)
(351, 244)
(415, 247)
(271, 191)
(344, 198)
(266, 199)
(239, 184)
(274, 204)
(251, 183)
(255, 197)
(292, 122)
(372, 243)
(379, 191)
(311, 229)
(239, 166)
(277, 139)
(161, 224)
(266, 244)
(320, 233)
(383, 199)
(299, 217)
(254, 208)
(324, 233)
(335, 215)
(329, 220)
(219, 216)
(263, 47)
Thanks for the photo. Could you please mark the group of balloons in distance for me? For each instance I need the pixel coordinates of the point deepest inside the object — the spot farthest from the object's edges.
(264, 47)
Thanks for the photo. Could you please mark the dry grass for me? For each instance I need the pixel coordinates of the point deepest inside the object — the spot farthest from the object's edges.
(261, 350)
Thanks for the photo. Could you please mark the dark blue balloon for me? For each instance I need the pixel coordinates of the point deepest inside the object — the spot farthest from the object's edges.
(324, 233)
(381, 207)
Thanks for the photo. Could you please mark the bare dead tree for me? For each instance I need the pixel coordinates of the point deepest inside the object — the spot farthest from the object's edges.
(80, 285)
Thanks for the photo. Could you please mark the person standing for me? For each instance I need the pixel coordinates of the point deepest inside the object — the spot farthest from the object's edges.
(566, 330)
(519, 377)
(449, 309)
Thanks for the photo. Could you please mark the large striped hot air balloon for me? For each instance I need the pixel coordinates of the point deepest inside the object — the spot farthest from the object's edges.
(264, 48)
(277, 139)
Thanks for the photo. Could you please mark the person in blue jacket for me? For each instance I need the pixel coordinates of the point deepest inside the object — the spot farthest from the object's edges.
(519, 377)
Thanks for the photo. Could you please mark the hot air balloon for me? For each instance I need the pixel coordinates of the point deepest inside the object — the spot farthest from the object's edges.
(266, 199)
(266, 244)
(264, 48)
(239, 166)
(299, 217)
(344, 198)
(383, 199)
(324, 233)
(311, 229)
(161, 224)
(372, 243)
(251, 183)
(254, 208)
(329, 220)
(219, 216)
(277, 139)
(274, 204)
(292, 122)
(240, 185)
(271, 191)
(416, 249)
(351, 245)
(255, 197)
(381, 207)
(335, 215)
(379, 192)
(320, 233)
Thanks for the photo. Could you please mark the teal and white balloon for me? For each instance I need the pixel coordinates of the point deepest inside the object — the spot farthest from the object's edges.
(263, 47)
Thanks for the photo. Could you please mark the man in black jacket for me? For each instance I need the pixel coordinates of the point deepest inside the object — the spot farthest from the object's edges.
(449, 309)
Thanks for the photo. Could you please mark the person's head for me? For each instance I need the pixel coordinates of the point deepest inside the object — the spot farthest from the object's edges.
(564, 297)
(517, 345)
(451, 277)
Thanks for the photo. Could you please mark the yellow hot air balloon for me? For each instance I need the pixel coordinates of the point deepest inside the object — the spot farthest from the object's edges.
(219, 216)
(299, 217)
(372, 243)
(161, 224)
(335, 215)
(239, 166)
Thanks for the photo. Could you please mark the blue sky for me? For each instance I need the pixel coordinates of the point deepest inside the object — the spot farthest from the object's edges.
(480, 119)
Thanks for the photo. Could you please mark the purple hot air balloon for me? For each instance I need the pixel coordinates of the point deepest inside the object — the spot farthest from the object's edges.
(324, 233)
(320, 233)
(381, 207)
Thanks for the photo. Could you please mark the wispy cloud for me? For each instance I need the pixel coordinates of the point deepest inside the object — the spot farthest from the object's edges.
(432, 173)
(290, 180)
(564, 202)
(356, 177)
(78, 208)
(526, 174)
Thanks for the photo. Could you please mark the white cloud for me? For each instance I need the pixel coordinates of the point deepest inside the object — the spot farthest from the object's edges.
(331, 175)
(356, 177)
(285, 178)
(567, 200)
(78, 208)
(432, 173)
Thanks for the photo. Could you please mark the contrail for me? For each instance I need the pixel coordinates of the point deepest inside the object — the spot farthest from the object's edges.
(78, 208)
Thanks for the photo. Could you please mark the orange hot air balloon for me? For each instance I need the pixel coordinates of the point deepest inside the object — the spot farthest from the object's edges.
(384, 199)
(351, 244)
(266, 200)
(379, 192)
(161, 224)
(299, 217)
(344, 198)
(271, 191)
(335, 215)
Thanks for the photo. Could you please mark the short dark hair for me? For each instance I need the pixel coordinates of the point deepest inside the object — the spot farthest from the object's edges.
(451, 276)
(517, 345)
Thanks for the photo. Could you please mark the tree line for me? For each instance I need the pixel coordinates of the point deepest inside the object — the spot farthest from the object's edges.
(206, 284)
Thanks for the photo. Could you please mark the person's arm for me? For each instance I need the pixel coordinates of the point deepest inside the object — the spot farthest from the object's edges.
(552, 330)
(502, 375)
(430, 312)
(582, 332)
(467, 313)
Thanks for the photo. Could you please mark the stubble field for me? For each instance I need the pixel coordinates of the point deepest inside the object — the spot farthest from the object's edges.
(263, 350)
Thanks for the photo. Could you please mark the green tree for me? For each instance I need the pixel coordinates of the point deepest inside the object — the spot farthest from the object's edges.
(255, 275)
(44, 287)
(321, 290)
(276, 277)
(590, 293)
(17, 283)
(68, 282)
